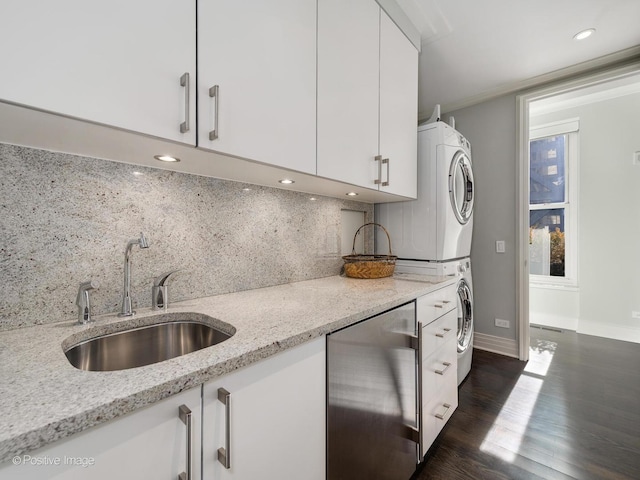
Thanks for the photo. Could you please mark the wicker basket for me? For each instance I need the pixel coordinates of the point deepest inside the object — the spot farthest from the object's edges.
(369, 266)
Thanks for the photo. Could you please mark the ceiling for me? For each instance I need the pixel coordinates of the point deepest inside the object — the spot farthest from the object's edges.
(474, 50)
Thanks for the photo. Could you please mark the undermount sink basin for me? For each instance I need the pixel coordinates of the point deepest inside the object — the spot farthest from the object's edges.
(145, 345)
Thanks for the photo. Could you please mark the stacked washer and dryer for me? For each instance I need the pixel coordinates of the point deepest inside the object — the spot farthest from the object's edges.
(432, 235)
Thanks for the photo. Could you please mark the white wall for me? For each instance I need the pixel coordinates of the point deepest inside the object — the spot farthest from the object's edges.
(609, 216)
(554, 307)
(491, 129)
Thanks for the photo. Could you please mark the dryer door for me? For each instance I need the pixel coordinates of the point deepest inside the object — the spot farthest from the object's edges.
(465, 315)
(461, 187)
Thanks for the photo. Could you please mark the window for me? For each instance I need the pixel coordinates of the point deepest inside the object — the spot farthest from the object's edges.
(553, 160)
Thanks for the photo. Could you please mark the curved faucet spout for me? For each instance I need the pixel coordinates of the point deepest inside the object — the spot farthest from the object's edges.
(127, 309)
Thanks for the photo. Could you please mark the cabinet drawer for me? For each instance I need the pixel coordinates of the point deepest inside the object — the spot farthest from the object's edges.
(436, 334)
(436, 414)
(439, 370)
(435, 304)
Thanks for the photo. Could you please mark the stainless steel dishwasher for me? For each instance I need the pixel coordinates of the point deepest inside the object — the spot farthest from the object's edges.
(372, 398)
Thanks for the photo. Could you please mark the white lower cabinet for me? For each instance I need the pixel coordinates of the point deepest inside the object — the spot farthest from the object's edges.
(439, 363)
(273, 423)
(148, 443)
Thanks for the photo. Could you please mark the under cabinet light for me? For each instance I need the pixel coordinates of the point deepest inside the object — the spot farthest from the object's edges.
(286, 181)
(352, 194)
(166, 158)
(584, 34)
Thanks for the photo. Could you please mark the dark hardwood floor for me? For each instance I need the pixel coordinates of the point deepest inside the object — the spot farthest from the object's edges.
(571, 412)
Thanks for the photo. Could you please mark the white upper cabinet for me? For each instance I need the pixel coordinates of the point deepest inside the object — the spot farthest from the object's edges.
(367, 98)
(398, 110)
(348, 89)
(117, 63)
(262, 58)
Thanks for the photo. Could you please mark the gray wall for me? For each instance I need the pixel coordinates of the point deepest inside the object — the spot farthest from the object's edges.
(491, 129)
(65, 219)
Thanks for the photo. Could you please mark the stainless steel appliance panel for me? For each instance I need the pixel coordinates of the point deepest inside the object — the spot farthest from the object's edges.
(372, 398)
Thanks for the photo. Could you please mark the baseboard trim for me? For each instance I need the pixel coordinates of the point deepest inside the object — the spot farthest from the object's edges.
(490, 343)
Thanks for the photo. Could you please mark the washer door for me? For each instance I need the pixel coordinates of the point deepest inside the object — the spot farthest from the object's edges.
(461, 187)
(465, 315)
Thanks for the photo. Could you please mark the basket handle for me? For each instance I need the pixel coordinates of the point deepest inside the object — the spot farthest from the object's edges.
(353, 249)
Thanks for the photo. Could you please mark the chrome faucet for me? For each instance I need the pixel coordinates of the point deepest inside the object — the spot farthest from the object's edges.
(160, 291)
(83, 300)
(127, 310)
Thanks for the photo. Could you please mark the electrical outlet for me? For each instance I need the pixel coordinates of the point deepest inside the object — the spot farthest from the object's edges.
(636, 158)
(635, 315)
(502, 323)
(500, 246)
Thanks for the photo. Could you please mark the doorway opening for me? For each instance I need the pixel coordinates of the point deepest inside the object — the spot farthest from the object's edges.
(577, 214)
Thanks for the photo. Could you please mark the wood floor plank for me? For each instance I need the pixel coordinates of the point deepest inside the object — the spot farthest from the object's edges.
(572, 412)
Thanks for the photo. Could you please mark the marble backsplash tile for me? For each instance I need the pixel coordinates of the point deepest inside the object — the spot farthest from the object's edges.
(65, 219)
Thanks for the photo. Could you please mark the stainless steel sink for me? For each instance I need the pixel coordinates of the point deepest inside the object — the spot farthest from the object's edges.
(144, 345)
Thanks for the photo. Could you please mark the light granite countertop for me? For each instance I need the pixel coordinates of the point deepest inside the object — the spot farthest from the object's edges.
(43, 398)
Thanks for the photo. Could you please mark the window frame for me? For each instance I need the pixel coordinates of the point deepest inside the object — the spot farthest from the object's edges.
(570, 128)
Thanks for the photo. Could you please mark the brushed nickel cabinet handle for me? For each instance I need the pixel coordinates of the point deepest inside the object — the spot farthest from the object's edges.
(184, 413)
(378, 158)
(184, 82)
(214, 92)
(446, 366)
(441, 335)
(385, 161)
(446, 410)
(224, 453)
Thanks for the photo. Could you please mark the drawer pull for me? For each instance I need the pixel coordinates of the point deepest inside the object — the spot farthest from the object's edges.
(438, 305)
(446, 366)
(446, 410)
(441, 335)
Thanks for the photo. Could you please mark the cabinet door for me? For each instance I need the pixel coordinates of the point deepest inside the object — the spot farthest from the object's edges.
(262, 57)
(398, 109)
(148, 443)
(277, 418)
(348, 76)
(117, 63)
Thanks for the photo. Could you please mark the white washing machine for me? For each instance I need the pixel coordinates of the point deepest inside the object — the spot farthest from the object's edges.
(461, 268)
(438, 225)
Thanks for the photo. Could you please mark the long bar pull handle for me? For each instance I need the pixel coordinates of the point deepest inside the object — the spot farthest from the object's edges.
(441, 335)
(214, 92)
(224, 453)
(378, 158)
(438, 305)
(446, 366)
(184, 82)
(419, 393)
(185, 415)
(446, 410)
(385, 161)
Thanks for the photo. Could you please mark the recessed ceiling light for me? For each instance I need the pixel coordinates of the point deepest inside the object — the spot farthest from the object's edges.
(286, 181)
(584, 34)
(352, 194)
(166, 158)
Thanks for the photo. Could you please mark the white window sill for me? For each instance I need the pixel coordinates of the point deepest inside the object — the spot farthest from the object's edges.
(547, 285)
